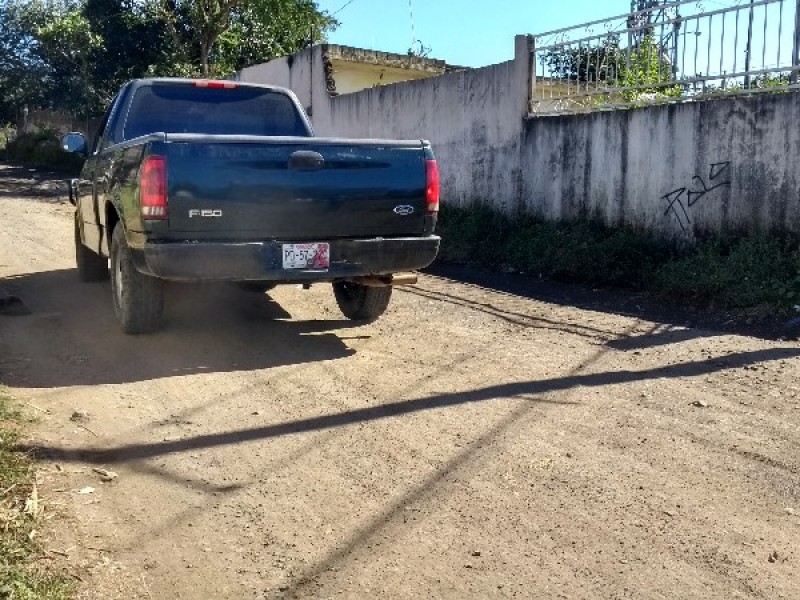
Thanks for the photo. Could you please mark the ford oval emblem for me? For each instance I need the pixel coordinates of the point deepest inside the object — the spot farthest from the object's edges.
(404, 210)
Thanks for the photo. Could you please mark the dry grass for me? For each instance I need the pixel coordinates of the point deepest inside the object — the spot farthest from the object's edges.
(21, 578)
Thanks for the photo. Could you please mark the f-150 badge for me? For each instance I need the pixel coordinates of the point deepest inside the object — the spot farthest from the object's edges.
(205, 213)
(404, 210)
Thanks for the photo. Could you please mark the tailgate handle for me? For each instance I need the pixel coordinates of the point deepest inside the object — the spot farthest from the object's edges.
(306, 160)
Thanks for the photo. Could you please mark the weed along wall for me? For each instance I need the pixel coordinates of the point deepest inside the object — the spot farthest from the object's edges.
(675, 170)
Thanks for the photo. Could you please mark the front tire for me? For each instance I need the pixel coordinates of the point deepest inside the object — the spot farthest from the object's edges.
(138, 298)
(91, 266)
(360, 302)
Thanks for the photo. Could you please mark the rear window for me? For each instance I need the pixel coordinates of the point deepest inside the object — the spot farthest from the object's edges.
(189, 109)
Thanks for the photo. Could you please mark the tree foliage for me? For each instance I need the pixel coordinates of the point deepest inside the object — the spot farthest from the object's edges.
(643, 68)
(74, 54)
(260, 28)
(649, 72)
(206, 20)
(134, 38)
(67, 43)
(587, 62)
(23, 72)
(217, 37)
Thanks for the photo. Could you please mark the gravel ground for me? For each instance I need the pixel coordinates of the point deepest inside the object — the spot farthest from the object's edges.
(472, 443)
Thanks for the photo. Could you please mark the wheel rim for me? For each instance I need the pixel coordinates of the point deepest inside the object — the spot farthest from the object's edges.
(349, 289)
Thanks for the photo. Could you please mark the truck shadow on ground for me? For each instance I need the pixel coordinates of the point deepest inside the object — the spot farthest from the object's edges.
(72, 338)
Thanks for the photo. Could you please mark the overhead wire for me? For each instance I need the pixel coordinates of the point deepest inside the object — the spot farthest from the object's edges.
(346, 4)
(411, 17)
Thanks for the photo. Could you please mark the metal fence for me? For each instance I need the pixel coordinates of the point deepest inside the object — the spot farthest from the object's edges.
(668, 51)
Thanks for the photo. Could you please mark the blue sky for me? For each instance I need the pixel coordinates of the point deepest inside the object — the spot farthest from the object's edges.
(471, 33)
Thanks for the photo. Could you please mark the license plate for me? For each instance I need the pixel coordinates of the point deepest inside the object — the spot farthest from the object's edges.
(315, 256)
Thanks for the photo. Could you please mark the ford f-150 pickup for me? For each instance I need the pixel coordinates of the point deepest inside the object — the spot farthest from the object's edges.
(198, 180)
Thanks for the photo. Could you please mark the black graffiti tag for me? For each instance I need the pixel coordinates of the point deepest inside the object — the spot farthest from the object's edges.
(674, 200)
(718, 171)
(718, 176)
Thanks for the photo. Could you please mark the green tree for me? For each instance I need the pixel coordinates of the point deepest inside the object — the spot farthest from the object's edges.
(644, 67)
(221, 36)
(587, 62)
(23, 72)
(209, 19)
(68, 43)
(46, 56)
(134, 39)
(75, 54)
(263, 29)
(649, 72)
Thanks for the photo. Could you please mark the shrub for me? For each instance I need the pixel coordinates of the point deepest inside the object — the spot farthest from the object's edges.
(734, 272)
(21, 575)
(43, 149)
(754, 270)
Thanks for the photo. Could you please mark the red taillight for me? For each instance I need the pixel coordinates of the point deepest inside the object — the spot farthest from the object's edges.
(153, 188)
(217, 85)
(432, 185)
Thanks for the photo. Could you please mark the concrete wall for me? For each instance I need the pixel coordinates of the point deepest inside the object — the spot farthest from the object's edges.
(677, 170)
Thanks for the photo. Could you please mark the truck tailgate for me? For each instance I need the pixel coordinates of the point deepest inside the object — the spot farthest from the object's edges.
(294, 188)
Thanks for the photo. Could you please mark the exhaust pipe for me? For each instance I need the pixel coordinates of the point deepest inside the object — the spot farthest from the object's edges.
(388, 280)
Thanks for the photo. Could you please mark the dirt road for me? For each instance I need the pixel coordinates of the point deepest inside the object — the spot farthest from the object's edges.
(470, 444)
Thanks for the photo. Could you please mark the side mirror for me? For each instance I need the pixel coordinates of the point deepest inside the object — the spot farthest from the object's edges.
(74, 142)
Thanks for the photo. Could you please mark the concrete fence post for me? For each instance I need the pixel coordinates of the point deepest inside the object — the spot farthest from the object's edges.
(524, 48)
(796, 48)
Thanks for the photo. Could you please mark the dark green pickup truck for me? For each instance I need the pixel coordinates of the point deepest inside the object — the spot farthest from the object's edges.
(196, 180)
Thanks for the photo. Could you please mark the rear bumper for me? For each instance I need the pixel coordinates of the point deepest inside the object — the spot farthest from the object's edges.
(261, 261)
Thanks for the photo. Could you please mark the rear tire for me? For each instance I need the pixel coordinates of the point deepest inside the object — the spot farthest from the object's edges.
(360, 302)
(138, 298)
(91, 266)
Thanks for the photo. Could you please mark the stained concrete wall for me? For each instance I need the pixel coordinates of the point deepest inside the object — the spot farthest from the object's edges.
(676, 170)
(680, 170)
